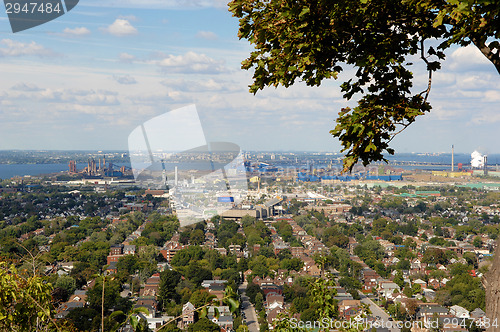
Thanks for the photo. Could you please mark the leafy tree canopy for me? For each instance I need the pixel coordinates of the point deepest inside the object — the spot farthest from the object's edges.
(25, 303)
(168, 281)
(316, 40)
(204, 325)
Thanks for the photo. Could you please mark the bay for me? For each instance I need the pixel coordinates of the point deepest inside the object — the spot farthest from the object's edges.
(8, 171)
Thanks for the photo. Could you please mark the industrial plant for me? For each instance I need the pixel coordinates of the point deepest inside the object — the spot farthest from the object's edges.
(99, 169)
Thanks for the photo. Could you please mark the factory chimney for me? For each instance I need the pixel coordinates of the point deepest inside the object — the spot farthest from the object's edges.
(176, 177)
(452, 158)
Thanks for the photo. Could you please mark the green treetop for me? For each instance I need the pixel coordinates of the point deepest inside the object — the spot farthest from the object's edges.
(315, 40)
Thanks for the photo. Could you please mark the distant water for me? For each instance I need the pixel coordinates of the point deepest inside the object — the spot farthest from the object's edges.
(438, 161)
(441, 158)
(412, 161)
(11, 170)
(8, 171)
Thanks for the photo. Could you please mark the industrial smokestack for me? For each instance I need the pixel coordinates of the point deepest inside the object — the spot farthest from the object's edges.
(485, 164)
(452, 158)
(176, 177)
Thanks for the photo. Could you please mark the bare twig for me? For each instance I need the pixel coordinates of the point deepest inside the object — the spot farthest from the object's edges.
(429, 84)
(32, 258)
(404, 127)
(426, 91)
(31, 297)
(43, 309)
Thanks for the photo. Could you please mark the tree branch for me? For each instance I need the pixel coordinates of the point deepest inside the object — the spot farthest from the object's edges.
(394, 135)
(488, 53)
(429, 84)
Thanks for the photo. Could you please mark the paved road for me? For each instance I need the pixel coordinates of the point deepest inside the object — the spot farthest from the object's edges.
(248, 309)
(125, 291)
(377, 311)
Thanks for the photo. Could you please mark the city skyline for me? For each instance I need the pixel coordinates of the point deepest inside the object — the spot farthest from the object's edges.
(85, 80)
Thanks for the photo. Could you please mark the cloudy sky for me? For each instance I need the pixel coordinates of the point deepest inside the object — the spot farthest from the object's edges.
(89, 78)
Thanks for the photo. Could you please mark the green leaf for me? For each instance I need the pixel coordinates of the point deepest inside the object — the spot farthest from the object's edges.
(134, 322)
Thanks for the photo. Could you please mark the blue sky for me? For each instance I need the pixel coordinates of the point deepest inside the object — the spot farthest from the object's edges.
(87, 79)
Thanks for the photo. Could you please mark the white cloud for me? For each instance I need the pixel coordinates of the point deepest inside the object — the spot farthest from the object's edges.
(470, 53)
(157, 4)
(125, 79)
(99, 98)
(191, 62)
(201, 85)
(121, 28)
(79, 31)
(15, 48)
(130, 18)
(469, 58)
(474, 81)
(66, 96)
(209, 35)
(492, 95)
(27, 87)
(485, 119)
(441, 79)
(125, 57)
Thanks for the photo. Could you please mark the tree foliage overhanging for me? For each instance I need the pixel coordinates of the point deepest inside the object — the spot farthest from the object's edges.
(313, 40)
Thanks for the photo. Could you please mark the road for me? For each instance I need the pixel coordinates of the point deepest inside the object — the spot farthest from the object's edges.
(125, 291)
(247, 307)
(377, 311)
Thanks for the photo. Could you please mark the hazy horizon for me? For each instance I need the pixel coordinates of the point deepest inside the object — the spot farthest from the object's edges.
(87, 79)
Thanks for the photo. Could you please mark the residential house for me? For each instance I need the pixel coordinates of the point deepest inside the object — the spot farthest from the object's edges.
(221, 315)
(449, 323)
(273, 298)
(352, 244)
(349, 308)
(430, 294)
(479, 316)
(129, 249)
(116, 251)
(420, 282)
(187, 315)
(112, 268)
(342, 294)
(387, 288)
(152, 286)
(77, 300)
(272, 315)
(459, 312)
(217, 289)
(433, 283)
(235, 249)
(209, 283)
(427, 311)
(395, 297)
(271, 288)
